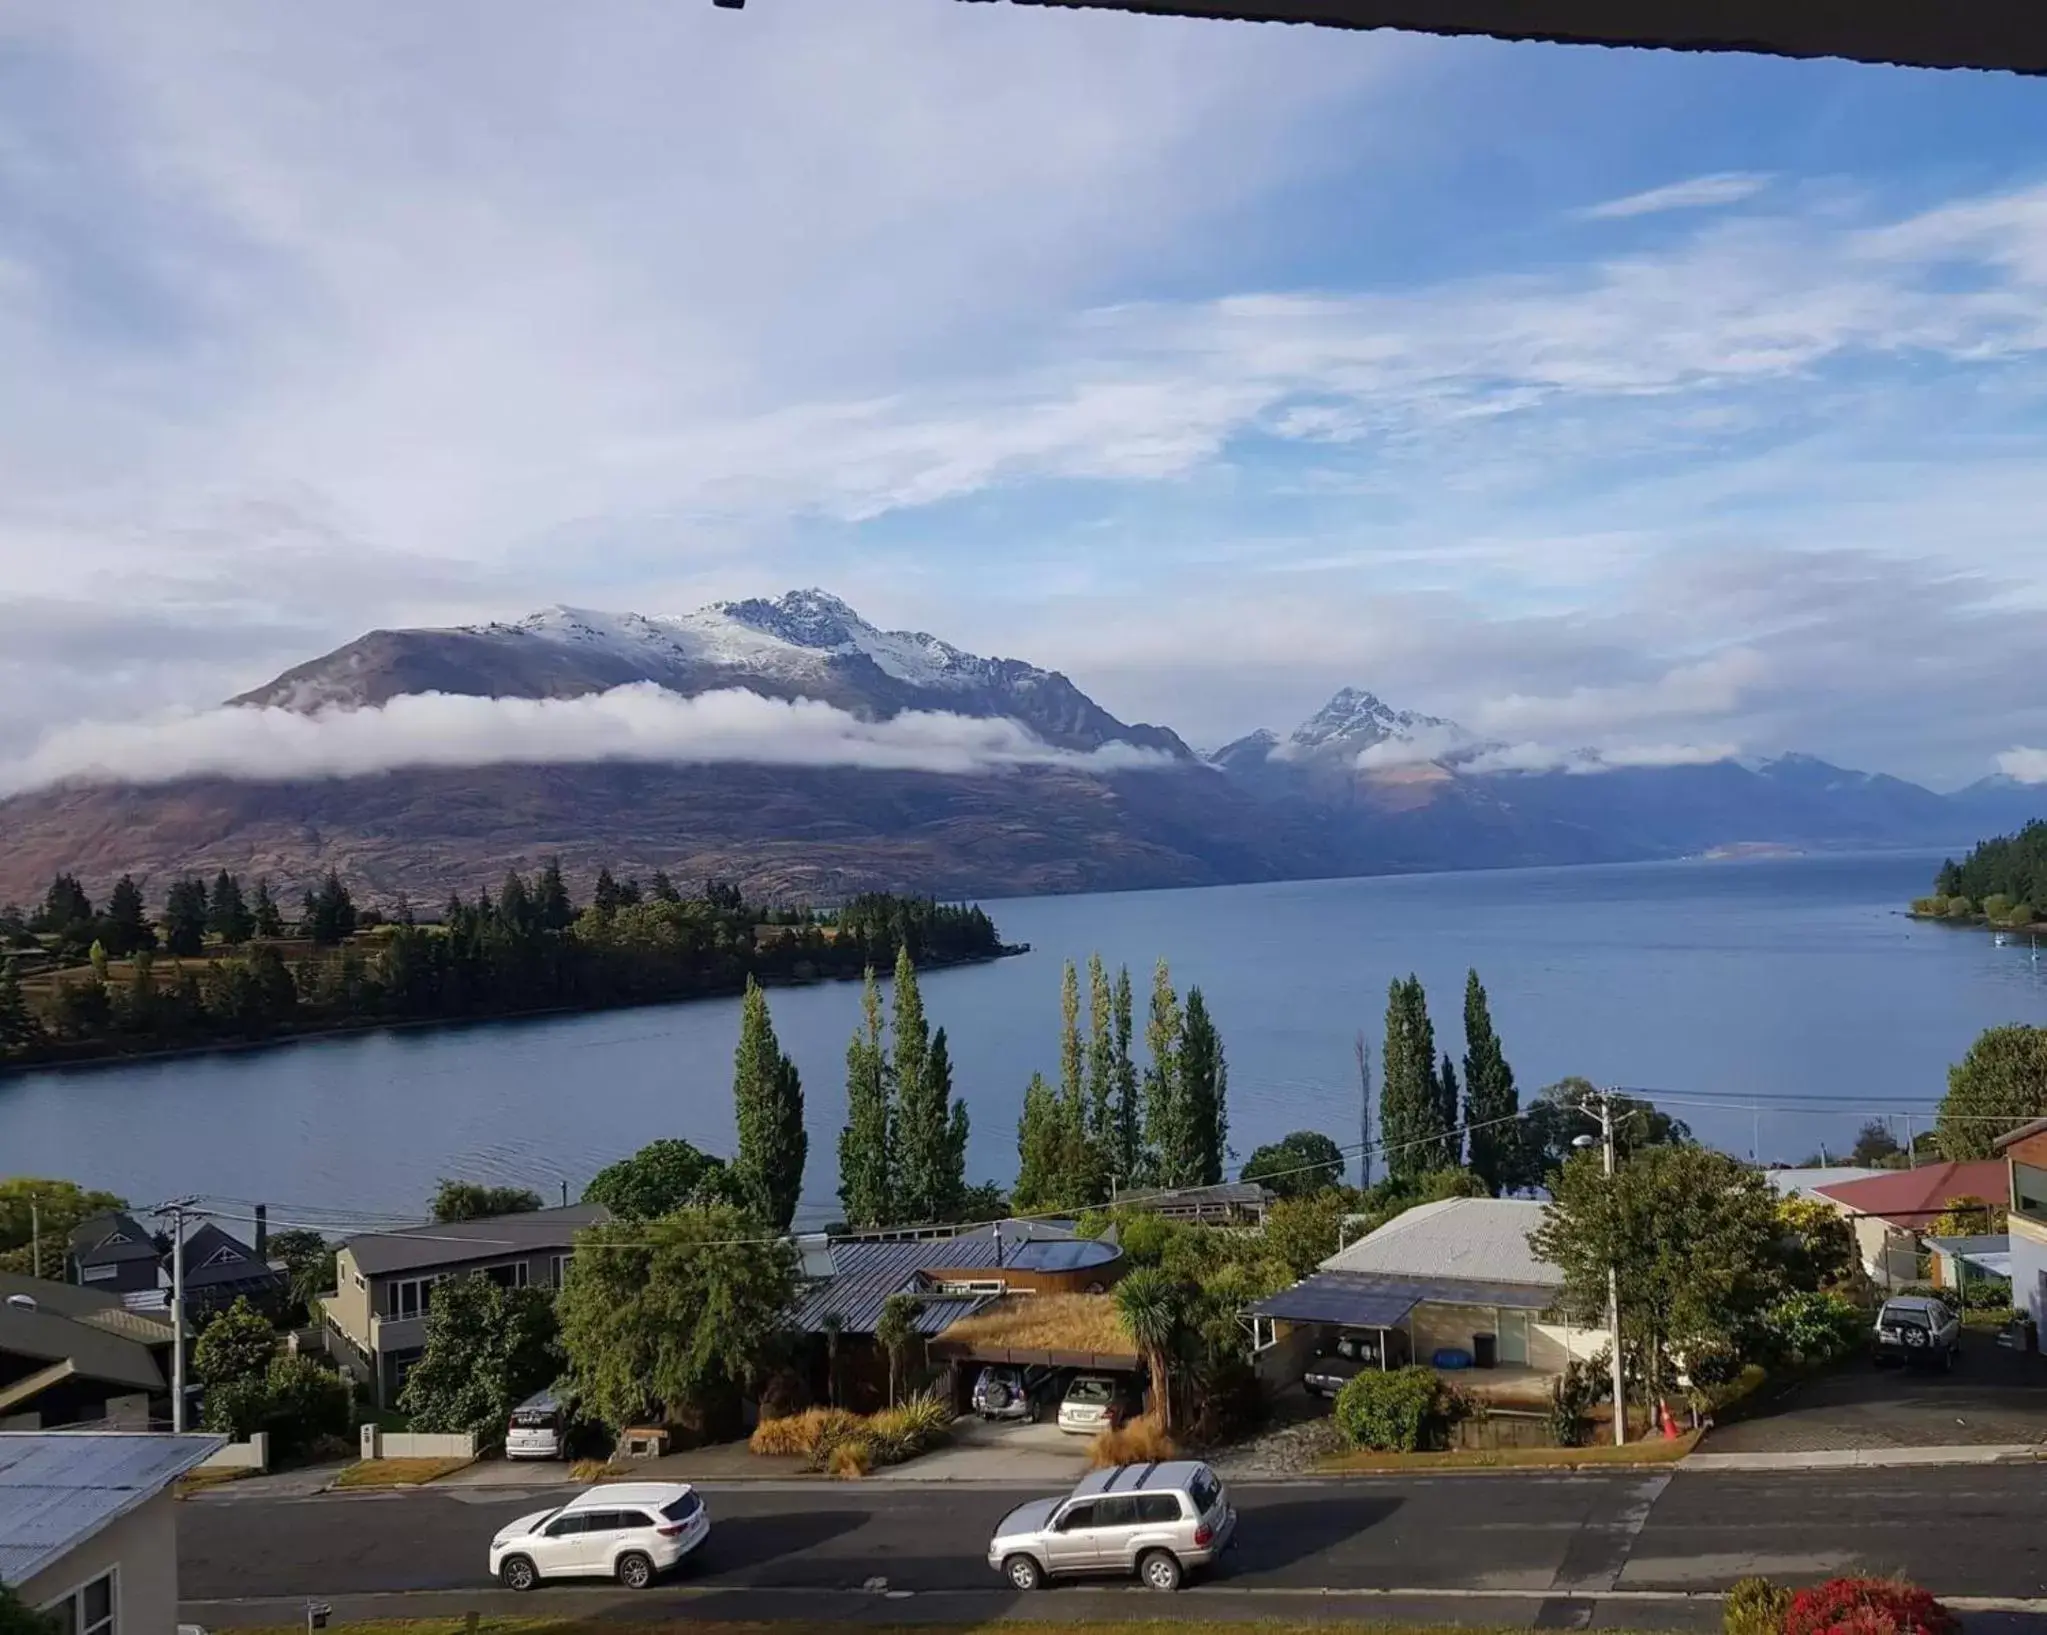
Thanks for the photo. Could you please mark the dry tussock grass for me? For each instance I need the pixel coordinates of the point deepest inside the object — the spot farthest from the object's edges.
(1049, 1322)
(1141, 1442)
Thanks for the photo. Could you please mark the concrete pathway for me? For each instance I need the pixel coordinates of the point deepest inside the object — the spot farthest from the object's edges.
(1867, 1458)
(1038, 1455)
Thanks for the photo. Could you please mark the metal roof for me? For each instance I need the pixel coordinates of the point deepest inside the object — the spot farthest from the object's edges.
(1481, 1238)
(59, 1488)
(114, 1313)
(455, 1243)
(1368, 1300)
(1987, 1252)
(48, 1337)
(866, 1274)
(1073, 1256)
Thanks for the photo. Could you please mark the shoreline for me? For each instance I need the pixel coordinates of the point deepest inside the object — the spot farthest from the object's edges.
(353, 1030)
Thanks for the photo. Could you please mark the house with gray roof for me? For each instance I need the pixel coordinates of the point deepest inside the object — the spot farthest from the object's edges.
(72, 1356)
(114, 1253)
(89, 1526)
(376, 1316)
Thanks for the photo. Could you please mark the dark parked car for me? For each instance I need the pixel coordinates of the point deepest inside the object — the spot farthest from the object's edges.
(1005, 1392)
(1337, 1364)
(1915, 1329)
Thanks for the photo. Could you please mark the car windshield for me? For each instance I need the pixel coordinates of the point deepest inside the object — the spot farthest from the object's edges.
(1091, 1390)
(683, 1508)
(1204, 1489)
(531, 1419)
(1906, 1317)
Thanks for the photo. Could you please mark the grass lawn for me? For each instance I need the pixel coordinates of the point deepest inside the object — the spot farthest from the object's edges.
(1650, 1451)
(398, 1472)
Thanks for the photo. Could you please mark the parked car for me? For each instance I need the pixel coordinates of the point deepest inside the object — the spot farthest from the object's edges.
(1335, 1365)
(1005, 1392)
(1156, 1521)
(630, 1531)
(539, 1428)
(1098, 1402)
(1911, 1328)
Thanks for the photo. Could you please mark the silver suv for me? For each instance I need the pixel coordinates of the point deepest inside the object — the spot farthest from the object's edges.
(1156, 1521)
(1915, 1329)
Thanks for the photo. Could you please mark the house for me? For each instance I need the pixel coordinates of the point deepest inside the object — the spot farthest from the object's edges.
(2023, 1152)
(1806, 1181)
(1890, 1213)
(1959, 1262)
(113, 1252)
(376, 1316)
(89, 1526)
(220, 1268)
(1458, 1275)
(72, 1356)
(1232, 1203)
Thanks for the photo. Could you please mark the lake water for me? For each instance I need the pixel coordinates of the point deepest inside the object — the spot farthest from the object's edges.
(1790, 984)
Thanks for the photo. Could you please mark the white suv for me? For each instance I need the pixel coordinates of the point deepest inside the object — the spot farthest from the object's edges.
(630, 1531)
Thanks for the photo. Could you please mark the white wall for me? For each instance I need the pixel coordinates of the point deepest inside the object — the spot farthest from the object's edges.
(143, 1548)
(1554, 1346)
(2029, 1268)
(253, 1454)
(378, 1444)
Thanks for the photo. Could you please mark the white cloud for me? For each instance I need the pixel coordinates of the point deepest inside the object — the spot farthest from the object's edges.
(641, 722)
(1417, 748)
(2026, 765)
(1710, 687)
(1535, 757)
(1699, 193)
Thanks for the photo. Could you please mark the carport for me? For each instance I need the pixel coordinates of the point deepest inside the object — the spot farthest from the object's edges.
(1332, 1300)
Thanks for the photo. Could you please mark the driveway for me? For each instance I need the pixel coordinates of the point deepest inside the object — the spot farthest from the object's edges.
(998, 1451)
(1993, 1397)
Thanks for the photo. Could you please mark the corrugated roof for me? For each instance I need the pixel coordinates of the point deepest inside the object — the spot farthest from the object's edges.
(1913, 1198)
(59, 1488)
(1369, 1300)
(48, 1336)
(1481, 1239)
(455, 1243)
(1792, 1183)
(111, 1312)
(866, 1274)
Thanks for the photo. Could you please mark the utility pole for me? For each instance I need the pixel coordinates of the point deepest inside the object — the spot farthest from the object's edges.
(176, 1210)
(1911, 1145)
(1364, 1113)
(1613, 1283)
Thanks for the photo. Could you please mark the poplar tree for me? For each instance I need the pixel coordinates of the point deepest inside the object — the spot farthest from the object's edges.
(1410, 1115)
(1161, 1078)
(1202, 1106)
(767, 1097)
(1040, 1150)
(1129, 1113)
(1101, 1070)
(931, 1127)
(867, 1143)
(1447, 1104)
(1489, 1096)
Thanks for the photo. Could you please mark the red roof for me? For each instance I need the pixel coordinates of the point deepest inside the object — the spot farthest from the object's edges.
(1913, 1197)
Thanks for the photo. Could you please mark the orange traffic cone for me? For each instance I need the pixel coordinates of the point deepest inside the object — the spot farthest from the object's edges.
(1670, 1430)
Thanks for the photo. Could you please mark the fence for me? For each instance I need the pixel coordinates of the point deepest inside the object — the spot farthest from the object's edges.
(253, 1454)
(380, 1444)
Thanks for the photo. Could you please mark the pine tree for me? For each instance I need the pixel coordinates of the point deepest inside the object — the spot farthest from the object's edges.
(516, 910)
(662, 889)
(18, 1025)
(1410, 1114)
(227, 916)
(1447, 1107)
(1161, 1079)
(330, 912)
(1203, 1102)
(184, 917)
(269, 922)
(867, 1143)
(767, 1097)
(930, 1173)
(1129, 1110)
(552, 905)
(127, 929)
(606, 897)
(1489, 1096)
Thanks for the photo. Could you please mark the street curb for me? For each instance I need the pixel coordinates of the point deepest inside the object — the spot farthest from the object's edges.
(2008, 1453)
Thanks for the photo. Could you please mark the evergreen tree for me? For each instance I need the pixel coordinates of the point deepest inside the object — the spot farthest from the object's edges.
(65, 906)
(330, 912)
(516, 910)
(930, 1172)
(1083, 1179)
(269, 922)
(1489, 1096)
(606, 897)
(1410, 1115)
(867, 1143)
(663, 889)
(127, 929)
(227, 916)
(552, 905)
(18, 1025)
(1040, 1150)
(1129, 1112)
(1202, 1135)
(1161, 1079)
(767, 1099)
(184, 917)
(1448, 1102)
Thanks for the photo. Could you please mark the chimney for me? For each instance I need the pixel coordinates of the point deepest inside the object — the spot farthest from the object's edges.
(262, 1230)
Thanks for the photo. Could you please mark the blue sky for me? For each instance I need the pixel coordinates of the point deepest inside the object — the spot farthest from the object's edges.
(1619, 398)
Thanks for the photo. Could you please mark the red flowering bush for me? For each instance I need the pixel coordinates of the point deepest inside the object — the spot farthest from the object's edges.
(1868, 1606)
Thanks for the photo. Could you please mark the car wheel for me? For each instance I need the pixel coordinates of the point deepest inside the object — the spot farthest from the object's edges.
(635, 1571)
(1160, 1570)
(516, 1573)
(1024, 1572)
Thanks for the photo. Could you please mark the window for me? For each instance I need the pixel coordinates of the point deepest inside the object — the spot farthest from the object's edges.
(630, 1519)
(413, 1297)
(563, 1526)
(224, 1256)
(601, 1521)
(88, 1610)
(1158, 1507)
(508, 1277)
(558, 1270)
(360, 1283)
(1204, 1490)
(683, 1508)
(1079, 1517)
(1119, 1511)
(97, 1274)
(977, 1286)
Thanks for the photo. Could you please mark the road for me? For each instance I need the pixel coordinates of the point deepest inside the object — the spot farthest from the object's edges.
(1530, 1548)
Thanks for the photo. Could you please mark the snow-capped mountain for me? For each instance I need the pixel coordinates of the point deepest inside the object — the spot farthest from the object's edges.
(1354, 720)
(806, 644)
(1354, 733)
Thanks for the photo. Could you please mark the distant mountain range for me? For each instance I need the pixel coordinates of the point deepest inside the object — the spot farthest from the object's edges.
(1358, 788)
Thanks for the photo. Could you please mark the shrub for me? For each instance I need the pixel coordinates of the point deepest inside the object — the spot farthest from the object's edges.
(308, 1406)
(1571, 1398)
(888, 1438)
(1402, 1411)
(1996, 906)
(1960, 908)
(1813, 1327)
(2020, 916)
(17, 1617)
(1929, 905)
(1755, 1606)
(804, 1433)
(1137, 1443)
(1867, 1606)
(852, 1457)
(904, 1432)
(1987, 1294)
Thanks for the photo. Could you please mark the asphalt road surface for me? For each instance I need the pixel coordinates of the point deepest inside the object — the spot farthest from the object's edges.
(1525, 1548)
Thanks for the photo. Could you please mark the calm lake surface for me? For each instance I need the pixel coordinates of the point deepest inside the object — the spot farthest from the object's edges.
(1772, 981)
